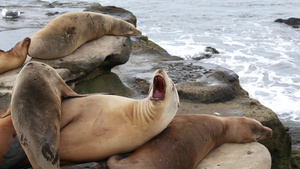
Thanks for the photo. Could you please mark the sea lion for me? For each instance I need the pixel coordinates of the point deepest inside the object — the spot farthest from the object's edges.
(15, 57)
(64, 34)
(188, 139)
(7, 134)
(106, 125)
(36, 111)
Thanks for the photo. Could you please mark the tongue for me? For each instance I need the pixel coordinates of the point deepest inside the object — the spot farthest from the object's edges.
(159, 88)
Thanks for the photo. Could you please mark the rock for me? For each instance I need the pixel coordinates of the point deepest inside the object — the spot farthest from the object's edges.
(208, 53)
(93, 58)
(143, 46)
(108, 83)
(211, 50)
(113, 11)
(70, 4)
(52, 13)
(296, 158)
(294, 22)
(241, 156)
(206, 83)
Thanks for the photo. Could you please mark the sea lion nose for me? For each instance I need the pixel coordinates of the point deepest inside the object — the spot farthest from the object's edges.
(160, 70)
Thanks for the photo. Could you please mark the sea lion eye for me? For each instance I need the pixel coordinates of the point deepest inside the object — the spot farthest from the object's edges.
(129, 28)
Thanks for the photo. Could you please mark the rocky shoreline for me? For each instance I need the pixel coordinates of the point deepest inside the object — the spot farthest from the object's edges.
(203, 88)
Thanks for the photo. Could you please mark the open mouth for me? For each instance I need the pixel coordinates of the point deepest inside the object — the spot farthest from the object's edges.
(158, 88)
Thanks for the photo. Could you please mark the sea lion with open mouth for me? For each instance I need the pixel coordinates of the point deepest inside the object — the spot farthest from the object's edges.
(99, 126)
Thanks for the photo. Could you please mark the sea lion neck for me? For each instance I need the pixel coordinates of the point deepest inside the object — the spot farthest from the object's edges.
(145, 111)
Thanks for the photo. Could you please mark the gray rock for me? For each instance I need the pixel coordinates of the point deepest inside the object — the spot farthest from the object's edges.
(294, 22)
(241, 156)
(113, 11)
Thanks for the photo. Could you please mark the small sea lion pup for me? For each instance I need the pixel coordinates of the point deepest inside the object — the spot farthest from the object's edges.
(36, 112)
(64, 34)
(99, 126)
(15, 57)
(188, 139)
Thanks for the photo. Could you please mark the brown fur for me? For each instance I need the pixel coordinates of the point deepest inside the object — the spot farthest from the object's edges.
(7, 134)
(67, 32)
(188, 139)
(15, 57)
(36, 111)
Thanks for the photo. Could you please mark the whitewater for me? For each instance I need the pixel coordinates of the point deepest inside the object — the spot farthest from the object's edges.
(265, 54)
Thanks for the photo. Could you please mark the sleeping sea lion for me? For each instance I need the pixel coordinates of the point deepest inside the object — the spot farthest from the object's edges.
(188, 139)
(64, 34)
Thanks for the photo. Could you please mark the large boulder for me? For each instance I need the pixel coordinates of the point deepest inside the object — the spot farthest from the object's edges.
(241, 156)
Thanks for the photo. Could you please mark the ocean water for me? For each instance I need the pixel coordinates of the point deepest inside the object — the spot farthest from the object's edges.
(265, 54)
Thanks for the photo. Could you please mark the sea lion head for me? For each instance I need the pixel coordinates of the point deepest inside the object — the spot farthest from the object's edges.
(21, 48)
(261, 132)
(163, 91)
(249, 130)
(50, 75)
(124, 28)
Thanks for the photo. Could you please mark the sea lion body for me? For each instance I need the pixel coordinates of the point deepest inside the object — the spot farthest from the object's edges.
(36, 111)
(7, 134)
(188, 139)
(15, 57)
(67, 32)
(106, 125)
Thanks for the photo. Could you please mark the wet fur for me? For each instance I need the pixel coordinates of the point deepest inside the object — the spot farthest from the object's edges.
(36, 111)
